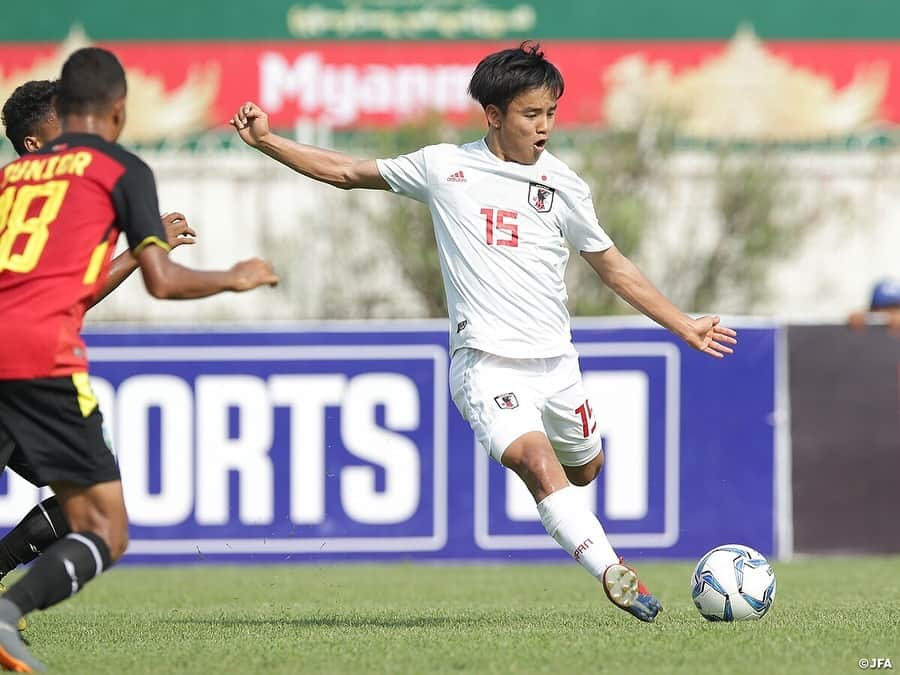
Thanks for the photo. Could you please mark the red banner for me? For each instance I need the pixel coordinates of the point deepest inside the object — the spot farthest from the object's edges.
(378, 84)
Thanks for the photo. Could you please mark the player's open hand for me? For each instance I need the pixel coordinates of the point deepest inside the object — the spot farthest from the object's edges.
(248, 274)
(178, 232)
(252, 124)
(711, 338)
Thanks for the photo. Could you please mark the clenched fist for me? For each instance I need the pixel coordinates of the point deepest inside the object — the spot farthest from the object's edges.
(252, 124)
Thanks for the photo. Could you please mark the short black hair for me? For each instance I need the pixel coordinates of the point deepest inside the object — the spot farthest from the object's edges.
(92, 78)
(503, 75)
(30, 105)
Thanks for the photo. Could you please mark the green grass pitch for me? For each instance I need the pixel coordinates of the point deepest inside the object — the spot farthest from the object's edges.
(409, 618)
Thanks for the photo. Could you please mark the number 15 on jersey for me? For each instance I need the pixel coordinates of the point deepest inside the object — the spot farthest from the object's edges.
(499, 231)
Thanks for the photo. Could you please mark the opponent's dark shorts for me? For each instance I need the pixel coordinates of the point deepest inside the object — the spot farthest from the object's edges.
(12, 458)
(51, 430)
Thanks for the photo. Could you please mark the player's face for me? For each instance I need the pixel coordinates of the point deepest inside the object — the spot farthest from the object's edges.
(525, 127)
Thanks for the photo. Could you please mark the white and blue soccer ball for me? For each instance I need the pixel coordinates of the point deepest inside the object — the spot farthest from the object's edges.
(733, 583)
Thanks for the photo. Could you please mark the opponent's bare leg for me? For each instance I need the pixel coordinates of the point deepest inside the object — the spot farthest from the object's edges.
(98, 538)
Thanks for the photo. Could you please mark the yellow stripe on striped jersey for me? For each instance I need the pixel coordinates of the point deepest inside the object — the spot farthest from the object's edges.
(151, 240)
(93, 269)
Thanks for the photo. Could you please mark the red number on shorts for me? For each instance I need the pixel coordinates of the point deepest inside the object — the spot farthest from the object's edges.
(510, 228)
(584, 410)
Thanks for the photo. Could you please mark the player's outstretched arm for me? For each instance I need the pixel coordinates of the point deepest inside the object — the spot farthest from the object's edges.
(327, 166)
(168, 280)
(178, 233)
(704, 334)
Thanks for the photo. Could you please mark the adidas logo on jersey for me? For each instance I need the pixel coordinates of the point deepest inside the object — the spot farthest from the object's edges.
(458, 177)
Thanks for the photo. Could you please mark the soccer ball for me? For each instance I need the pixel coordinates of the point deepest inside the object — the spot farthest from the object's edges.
(733, 583)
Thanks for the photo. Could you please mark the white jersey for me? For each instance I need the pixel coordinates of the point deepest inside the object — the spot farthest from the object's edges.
(501, 231)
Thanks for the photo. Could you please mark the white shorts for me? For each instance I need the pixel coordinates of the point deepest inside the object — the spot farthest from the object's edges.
(502, 399)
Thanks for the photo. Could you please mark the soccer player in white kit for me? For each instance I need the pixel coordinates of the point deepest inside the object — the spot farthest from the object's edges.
(504, 210)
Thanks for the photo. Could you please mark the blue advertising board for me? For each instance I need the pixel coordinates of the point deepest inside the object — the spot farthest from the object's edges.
(340, 441)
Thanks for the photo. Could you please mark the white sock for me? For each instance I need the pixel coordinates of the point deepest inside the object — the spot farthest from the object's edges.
(577, 530)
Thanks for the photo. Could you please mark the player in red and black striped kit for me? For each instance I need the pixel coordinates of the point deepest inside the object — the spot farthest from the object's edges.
(61, 212)
(30, 120)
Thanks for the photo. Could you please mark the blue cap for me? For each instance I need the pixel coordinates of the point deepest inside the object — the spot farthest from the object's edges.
(886, 294)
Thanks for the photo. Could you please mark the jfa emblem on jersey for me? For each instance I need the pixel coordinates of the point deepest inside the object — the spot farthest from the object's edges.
(540, 197)
(507, 401)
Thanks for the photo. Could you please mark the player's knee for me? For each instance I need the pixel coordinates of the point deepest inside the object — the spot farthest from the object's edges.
(118, 544)
(533, 464)
(116, 537)
(581, 478)
(538, 463)
(115, 534)
(113, 530)
(585, 475)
